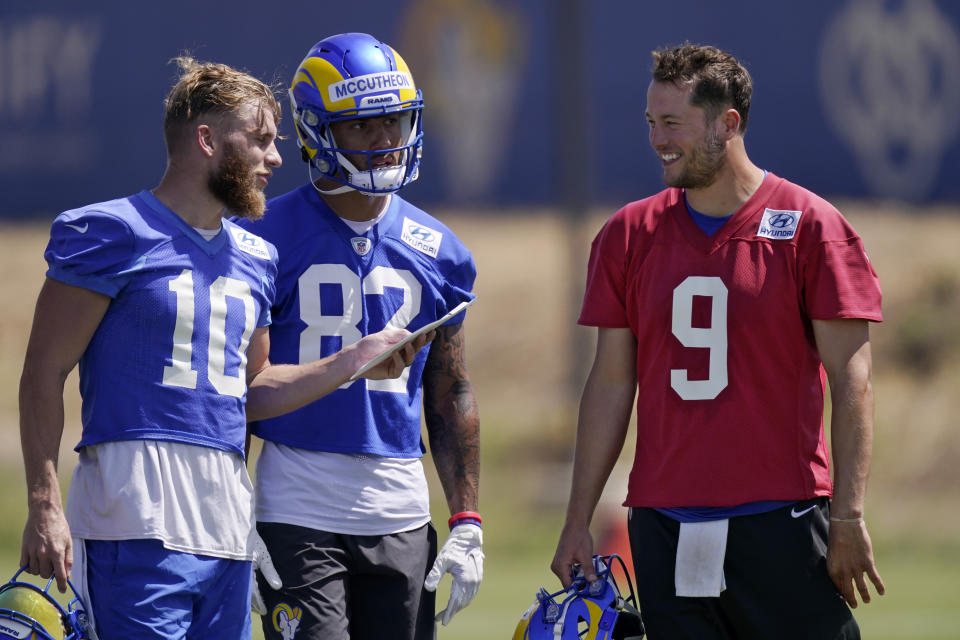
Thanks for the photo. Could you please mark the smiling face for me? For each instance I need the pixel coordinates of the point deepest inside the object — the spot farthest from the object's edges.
(691, 150)
(247, 159)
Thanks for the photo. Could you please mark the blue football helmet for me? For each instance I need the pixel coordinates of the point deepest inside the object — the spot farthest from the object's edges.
(350, 76)
(28, 612)
(584, 610)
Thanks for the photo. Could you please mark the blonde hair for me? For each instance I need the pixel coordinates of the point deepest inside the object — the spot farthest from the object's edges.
(208, 88)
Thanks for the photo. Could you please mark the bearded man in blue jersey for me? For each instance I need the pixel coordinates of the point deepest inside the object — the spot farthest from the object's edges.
(342, 500)
(165, 305)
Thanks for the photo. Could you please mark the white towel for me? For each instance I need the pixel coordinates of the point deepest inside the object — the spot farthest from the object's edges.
(700, 552)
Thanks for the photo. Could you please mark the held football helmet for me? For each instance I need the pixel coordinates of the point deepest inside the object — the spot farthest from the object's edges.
(584, 610)
(28, 612)
(350, 76)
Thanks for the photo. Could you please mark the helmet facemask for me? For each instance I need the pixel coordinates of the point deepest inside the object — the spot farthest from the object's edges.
(332, 160)
(30, 613)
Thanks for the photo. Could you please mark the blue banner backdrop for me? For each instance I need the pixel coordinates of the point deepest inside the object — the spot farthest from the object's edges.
(857, 98)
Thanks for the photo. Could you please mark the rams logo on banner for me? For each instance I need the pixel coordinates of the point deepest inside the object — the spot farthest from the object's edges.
(890, 85)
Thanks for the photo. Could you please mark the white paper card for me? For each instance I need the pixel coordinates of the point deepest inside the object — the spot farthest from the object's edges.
(410, 338)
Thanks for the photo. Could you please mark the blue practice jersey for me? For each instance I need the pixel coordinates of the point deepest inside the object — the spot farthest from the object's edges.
(335, 286)
(168, 361)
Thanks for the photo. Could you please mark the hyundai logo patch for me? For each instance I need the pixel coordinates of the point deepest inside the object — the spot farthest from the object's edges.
(779, 225)
(423, 239)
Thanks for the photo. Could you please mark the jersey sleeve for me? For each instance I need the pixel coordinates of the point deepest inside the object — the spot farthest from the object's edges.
(263, 256)
(90, 249)
(268, 285)
(459, 279)
(604, 300)
(838, 278)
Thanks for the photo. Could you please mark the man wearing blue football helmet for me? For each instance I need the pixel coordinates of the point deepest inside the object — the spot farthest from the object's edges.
(351, 77)
(342, 498)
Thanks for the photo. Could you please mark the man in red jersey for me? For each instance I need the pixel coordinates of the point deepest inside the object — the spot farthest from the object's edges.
(728, 300)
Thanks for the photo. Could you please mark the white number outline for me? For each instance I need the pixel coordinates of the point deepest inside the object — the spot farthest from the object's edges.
(352, 290)
(713, 338)
(180, 372)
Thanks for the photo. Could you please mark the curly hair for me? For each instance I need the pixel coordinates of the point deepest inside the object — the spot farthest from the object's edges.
(208, 88)
(718, 79)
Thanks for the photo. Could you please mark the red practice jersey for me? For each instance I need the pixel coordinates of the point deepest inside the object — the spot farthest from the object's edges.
(730, 383)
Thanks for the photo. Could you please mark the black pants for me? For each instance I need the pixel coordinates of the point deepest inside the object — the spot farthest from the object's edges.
(776, 575)
(345, 587)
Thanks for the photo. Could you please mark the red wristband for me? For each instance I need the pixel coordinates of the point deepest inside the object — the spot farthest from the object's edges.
(464, 517)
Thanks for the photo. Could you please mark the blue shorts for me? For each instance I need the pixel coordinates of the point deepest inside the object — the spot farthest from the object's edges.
(139, 589)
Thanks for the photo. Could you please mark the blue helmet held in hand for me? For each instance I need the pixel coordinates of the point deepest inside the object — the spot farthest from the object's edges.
(584, 610)
(28, 612)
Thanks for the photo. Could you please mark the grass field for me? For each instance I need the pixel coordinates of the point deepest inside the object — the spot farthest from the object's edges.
(527, 360)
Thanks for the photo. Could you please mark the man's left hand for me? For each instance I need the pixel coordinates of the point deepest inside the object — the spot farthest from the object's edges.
(461, 556)
(263, 564)
(849, 557)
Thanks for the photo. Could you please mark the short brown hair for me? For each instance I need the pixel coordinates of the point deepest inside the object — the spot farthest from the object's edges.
(718, 79)
(208, 88)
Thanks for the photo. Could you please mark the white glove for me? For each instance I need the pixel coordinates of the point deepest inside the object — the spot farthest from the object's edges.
(461, 556)
(263, 563)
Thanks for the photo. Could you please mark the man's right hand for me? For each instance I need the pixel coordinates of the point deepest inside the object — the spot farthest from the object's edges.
(47, 549)
(575, 547)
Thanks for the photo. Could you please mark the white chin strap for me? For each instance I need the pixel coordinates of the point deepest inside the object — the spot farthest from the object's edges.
(327, 192)
(388, 178)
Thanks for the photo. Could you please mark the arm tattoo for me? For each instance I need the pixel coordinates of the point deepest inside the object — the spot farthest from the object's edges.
(453, 422)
